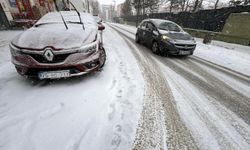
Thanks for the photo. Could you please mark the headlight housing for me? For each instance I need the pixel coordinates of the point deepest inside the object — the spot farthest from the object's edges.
(166, 38)
(14, 50)
(193, 40)
(91, 48)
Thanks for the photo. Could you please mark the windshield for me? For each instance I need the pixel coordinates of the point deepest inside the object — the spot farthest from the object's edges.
(70, 17)
(169, 27)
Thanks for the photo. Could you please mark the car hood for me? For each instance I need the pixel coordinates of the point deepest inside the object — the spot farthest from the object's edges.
(38, 38)
(177, 35)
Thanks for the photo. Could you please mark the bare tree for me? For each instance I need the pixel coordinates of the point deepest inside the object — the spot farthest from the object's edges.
(126, 8)
(151, 5)
(216, 4)
(246, 2)
(183, 3)
(187, 5)
(197, 5)
(235, 2)
(146, 6)
(94, 4)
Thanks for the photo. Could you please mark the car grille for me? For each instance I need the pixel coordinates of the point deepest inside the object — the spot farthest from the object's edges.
(57, 58)
(185, 46)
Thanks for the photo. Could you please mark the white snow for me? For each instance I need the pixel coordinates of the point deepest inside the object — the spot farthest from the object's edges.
(51, 31)
(232, 56)
(97, 111)
(212, 125)
(55, 17)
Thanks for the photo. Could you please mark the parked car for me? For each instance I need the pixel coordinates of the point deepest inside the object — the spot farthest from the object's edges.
(59, 45)
(165, 36)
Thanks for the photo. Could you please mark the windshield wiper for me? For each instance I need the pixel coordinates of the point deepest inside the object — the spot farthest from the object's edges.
(80, 19)
(63, 21)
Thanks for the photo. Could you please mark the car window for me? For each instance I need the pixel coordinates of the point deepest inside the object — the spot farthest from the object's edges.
(169, 27)
(143, 25)
(150, 26)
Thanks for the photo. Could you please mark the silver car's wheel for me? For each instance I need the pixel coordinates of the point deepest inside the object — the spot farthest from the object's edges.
(155, 47)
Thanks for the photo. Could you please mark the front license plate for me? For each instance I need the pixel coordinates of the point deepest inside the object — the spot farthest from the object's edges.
(54, 74)
(184, 52)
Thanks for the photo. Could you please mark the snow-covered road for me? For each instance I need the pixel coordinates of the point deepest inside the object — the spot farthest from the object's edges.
(210, 102)
(96, 111)
(138, 101)
(231, 56)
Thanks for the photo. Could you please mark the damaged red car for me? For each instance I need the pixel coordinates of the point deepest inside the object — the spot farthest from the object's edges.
(60, 45)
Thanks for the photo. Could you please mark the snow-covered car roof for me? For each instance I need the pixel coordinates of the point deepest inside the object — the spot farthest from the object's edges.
(69, 16)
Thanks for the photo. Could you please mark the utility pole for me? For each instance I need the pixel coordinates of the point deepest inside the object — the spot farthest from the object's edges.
(113, 10)
(88, 6)
(138, 11)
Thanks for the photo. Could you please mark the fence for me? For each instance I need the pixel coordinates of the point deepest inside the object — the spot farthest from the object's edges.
(211, 20)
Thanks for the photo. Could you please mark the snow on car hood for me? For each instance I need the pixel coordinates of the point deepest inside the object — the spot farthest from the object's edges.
(177, 35)
(57, 36)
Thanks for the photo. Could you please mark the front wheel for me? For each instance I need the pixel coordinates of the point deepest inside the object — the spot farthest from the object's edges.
(102, 57)
(137, 39)
(155, 47)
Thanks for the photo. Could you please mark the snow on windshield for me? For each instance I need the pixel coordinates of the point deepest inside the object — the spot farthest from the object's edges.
(69, 16)
(167, 25)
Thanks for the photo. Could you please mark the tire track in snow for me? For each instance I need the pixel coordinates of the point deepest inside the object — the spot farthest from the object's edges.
(221, 93)
(160, 123)
(3, 43)
(228, 129)
(234, 74)
(239, 77)
(226, 95)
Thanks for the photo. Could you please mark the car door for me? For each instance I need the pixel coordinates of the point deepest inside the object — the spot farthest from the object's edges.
(141, 31)
(149, 35)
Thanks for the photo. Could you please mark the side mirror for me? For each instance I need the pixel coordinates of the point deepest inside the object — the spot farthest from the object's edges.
(101, 27)
(99, 21)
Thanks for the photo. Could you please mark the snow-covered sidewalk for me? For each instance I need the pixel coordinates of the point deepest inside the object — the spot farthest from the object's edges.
(233, 56)
(96, 111)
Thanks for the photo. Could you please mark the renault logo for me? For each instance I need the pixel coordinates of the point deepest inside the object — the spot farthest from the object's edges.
(48, 54)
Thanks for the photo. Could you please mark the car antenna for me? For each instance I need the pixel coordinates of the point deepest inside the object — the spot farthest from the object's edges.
(63, 20)
(80, 19)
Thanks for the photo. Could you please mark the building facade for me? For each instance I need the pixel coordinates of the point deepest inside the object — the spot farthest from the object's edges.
(119, 10)
(106, 12)
(34, 9)
(26, 9)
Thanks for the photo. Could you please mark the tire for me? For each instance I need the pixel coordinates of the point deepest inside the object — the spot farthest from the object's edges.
(155, 47)
(137, 39)
(103, 57)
